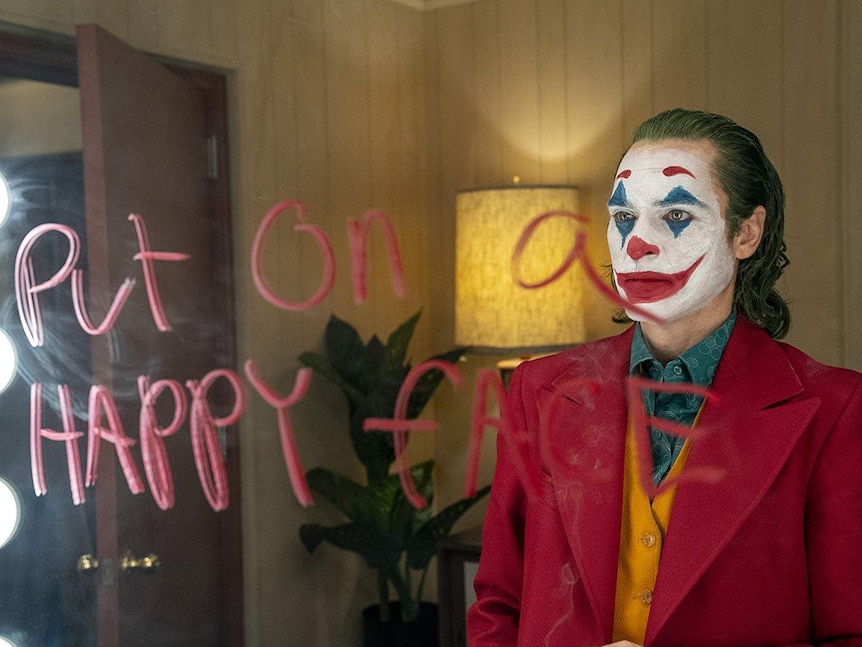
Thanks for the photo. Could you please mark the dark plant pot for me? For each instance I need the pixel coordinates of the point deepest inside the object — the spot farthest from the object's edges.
(422, 632)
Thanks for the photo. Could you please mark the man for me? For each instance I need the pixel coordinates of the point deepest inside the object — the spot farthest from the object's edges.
(743, 526)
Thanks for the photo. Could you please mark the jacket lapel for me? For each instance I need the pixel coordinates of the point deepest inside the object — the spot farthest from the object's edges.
(587, 423)
(751, 429)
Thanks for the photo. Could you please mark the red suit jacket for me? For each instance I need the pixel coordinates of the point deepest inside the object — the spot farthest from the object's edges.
(771, 554)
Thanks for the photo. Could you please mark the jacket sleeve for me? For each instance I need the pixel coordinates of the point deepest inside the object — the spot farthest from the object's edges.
(493, 620)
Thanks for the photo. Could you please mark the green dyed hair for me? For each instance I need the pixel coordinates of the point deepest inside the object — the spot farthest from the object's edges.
(749, 180)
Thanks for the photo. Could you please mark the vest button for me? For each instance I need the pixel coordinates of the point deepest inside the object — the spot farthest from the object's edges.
(648, 539)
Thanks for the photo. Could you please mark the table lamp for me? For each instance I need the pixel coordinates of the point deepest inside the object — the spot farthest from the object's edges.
(493, 313)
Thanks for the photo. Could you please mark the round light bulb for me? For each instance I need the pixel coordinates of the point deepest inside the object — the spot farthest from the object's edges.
(10, 514)
(8, 362)
(5, 642)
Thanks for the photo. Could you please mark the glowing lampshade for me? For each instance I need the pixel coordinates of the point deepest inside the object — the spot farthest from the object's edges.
(491, 310)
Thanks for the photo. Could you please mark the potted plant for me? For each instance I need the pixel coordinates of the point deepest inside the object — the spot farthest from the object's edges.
(395, 539)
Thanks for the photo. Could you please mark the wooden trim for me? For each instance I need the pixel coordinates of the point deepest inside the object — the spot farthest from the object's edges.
(214, 87)
(452, 554)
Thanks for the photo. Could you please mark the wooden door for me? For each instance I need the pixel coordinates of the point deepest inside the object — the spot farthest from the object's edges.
(146, 135)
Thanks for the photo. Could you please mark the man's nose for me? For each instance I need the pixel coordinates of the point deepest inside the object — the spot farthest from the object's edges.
(638, 248)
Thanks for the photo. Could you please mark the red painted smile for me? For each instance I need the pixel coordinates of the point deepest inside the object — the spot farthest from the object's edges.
(648, 287)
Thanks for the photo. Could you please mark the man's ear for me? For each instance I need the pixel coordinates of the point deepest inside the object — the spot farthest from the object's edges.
(750, 232)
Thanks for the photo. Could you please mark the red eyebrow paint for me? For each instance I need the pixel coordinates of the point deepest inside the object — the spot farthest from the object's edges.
(623, 174)
(676, 170)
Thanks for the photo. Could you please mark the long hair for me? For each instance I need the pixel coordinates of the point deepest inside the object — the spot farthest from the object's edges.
(749, 180)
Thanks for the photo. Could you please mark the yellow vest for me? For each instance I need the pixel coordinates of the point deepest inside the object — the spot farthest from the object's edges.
(644, 525)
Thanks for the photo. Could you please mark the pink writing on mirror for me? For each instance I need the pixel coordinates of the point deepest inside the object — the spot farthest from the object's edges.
(27, 289)
(153, 450)
(577, 253)
(101, 401)
(104, 420)
(285, 427)
(191, 403)
(209, 459)
(69, 436)
(358, 231)
(208, 456)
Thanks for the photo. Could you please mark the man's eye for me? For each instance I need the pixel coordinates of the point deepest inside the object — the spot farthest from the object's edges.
(677, 216)
(623, 216)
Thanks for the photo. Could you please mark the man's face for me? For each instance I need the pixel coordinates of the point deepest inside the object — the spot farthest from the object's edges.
(666, 234)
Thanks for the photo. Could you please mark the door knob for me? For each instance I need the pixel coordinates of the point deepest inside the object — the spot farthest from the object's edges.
(146, 564)
(87, 564)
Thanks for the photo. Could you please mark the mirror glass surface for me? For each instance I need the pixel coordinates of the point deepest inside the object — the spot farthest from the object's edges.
(44, 599)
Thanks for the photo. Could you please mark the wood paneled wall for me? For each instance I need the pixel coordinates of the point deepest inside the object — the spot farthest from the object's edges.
(331, 113)
(351, 104)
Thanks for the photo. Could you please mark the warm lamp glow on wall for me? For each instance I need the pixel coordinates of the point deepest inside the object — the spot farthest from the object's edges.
(493, 312)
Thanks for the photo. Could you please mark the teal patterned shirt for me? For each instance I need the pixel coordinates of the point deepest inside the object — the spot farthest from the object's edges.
(697, 365)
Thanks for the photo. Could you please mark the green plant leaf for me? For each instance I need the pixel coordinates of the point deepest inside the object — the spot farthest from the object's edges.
(396, 350)
(374, 353)
(380, 403)
(404, 518)
(349, 497)
(311, 535)
(423, 545)
(345, 350)
(429, 381)
(323, 367)
(381, 504)
(405, 596)
(374, 449)
(378, 549)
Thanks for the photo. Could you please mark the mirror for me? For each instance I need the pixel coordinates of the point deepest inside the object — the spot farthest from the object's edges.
(44, 600)
(98, 556)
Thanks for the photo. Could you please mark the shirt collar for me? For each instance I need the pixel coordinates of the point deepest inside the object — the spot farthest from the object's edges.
(701, 360)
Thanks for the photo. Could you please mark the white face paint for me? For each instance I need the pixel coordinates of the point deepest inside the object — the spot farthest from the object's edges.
(666, 234)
